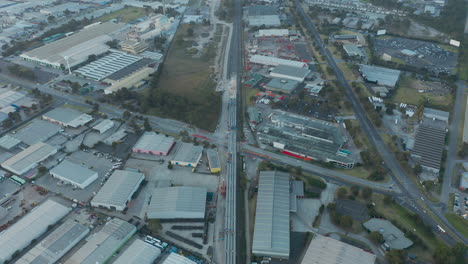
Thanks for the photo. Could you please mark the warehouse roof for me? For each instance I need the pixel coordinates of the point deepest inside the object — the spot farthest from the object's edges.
(130, 69)
(139, 252)
(8, 142)
(380, 75)
(178, 202)
(291, 71)
(464, 180)
(213, 158)
(154, 142)
(271, 231)
(352, 50)
(73, 172)
(68, 116)
(264, 20)
(326, 250)
(274, 61)
(88, 39)
(188, 152)
(8, 97)
(31, 155)
(429, 144)
(437, 114)
(284, 85)
(29, 227)
(118, 187)
(393, 236)
(261, 10)
(104, 125)
(103, 244)
(36, 131)
(56, 244)
(175, 258)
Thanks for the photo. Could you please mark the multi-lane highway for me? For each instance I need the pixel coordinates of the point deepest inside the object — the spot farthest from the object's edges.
(407, 186)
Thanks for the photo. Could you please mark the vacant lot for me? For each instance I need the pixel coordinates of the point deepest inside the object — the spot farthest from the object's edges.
(124, 15)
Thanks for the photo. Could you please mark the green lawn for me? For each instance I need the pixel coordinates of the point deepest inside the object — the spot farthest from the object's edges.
(124, 15)
(360, 172)
(461, 126)
(78, 107)
(451, 201)
(459, 223)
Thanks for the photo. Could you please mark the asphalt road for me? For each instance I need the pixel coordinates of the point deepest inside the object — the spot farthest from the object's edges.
(398, 174)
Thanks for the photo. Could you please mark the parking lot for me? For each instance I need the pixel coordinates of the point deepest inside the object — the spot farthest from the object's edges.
(460, 205)
(428, 55)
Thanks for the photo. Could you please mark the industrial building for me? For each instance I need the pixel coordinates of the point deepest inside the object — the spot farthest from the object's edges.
(118, 190)
(134, 46)
(281, 85)
(274, 61)
(272, 33)
(463, 181)
(263, 15)
(290, 72)
(465, 125)
(394, 237)
(8, 142)
(139, 252)
(187, 155)
(36, 131)
(436, 114)
(74, 174)
(153, 143)
(182, 202)
(213, 161)
(379, 75)
(306, 138)
(107, 65)
(67, 117)
(175, 258)
(135, 79)
(56, 244)
(102, 245)
(255, 117)
(29, 158)
(353, 50)
(327, 250)
(429, 144)
(104, 126)
(75, 49)
(31, 226)
(271, 230)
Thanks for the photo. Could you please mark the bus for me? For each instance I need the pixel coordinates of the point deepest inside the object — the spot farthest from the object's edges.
(441, 229)
(17, 180)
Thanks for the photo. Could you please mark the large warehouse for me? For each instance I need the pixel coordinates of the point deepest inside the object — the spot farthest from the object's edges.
(107, 65)
(67, 117)
(271, 230)
(187, 155)
(274, 61)
(263, 15)
(139, 252)
(290, 72)
(56, 244)
(326, 250)
(102, 245)
(379, 75)
(36, 131)
(29, 158)
(29, 227)
(213, 161)
(118, 190)
(429, 144)
(153, 143)
(74, 174)
(181, 202)
(75, 49)
(175, 258)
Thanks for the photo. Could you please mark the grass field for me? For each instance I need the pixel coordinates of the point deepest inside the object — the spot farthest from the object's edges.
(124, 15)
(360, 172)
(79, 108)
(405, 93)
(459, 223)
(461, 126)
(451, 201)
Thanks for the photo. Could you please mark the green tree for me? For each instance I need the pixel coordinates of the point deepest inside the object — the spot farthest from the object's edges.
(346, 222)
(417, 169)
(395, 256)
(126, 115)
(341, 192)
(376, 237)
(147, 125)
(170, 166)
(355, 190)
(366, 192)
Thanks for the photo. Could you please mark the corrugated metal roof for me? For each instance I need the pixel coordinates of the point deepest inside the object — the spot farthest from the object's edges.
(213, 159)
(291, 71)
(28, 157)
(393, 236)
(154, 142)
(117, 190)
(8, 142)
(188, 152)
(429, 144)
(380, 75)
(174, 258)
(178, 202)
(271, 231)
(73, 172)
(139, 252)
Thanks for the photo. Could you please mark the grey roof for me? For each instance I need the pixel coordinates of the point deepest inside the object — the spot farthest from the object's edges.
(393, 236)
(213, 159)
(63, 114)
(352, 50)
(262, 10)
(9, 142)
(429, 144)
(178, 202)
(37, 131)
(139, 252)
(130, 69)
(291, 71)
(464, 180)
(119, 187)
(188, 152)
(271, 231)
(73, 172)
(326, 250)
(264, 20)
(297, 188)
(438, 114)
(102, 245)
(175, 258)
(254, 114)
(29, 157)
(56, 244)
(284, 85)
(154, 142)
(380, 75)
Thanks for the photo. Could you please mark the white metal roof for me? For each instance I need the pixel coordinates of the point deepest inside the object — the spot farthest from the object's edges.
(380, 75)
(139, 252)
(188, 152)
(393, 236)
(178, 202)
(118, 188)
(154, 142)
(271, 231)
(104, 125)
(68, 116)
(28, 158)
(326, 250)
(174, 258)
(8, 142)
(274, 61)
(31, 226)
(73, 172)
